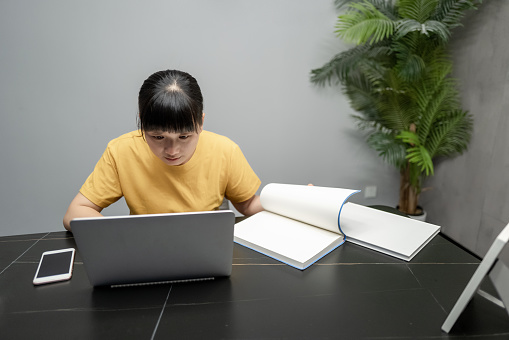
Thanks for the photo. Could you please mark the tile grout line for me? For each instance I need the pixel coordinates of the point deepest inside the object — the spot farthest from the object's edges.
(428, 290)
(23, 253)
(161, 314)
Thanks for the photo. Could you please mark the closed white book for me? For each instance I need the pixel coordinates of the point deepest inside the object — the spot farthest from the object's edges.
(388, 233)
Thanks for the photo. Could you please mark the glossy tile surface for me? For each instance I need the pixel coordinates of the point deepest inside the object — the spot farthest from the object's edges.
(352, 293)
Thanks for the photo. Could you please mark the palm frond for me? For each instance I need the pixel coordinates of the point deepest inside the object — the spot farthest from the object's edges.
(436, 27)
(420, 156)
(411, 53)
(346, 64)
(450, 12)
(416, 152)
(403, 27)
(434, 95)
(368, 122)
(341, 3)
(364, 23)
(372, 70)
(343, 64)
(416, 43)
(362, 97)
(396, 107)
(409, 137)
(418, 10)
(431, 84)
(391, 150)
(411, 68)
(451, 134)
(428, 28)
(388, 7)
(324, 75)
(433, 107)
(410, 65)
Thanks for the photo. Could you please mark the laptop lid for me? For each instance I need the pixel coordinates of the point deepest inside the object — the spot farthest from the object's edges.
(139, 249)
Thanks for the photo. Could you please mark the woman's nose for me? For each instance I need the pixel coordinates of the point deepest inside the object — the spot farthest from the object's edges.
(171, 148)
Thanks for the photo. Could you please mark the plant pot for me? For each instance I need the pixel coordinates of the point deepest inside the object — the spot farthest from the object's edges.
(419, 216)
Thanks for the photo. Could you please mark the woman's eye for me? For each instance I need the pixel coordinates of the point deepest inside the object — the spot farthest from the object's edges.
(184, 137)
(158, 137)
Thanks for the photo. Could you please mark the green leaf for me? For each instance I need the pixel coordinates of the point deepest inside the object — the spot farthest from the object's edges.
(350, 63)
(364, 23)
(428, 28)
(388, 147)
(451, 134)
(418, 10)
(450, 12)
(435, 27)
(409, 137)
(420, 156)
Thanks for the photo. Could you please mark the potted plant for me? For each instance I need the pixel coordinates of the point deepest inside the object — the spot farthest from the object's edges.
(398, 78)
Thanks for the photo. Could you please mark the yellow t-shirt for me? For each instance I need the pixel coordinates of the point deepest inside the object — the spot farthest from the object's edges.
(129, 168)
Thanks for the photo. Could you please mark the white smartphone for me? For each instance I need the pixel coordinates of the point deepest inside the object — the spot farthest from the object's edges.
(55, 265)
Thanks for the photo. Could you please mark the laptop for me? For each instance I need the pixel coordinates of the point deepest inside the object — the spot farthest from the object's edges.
(156, 248)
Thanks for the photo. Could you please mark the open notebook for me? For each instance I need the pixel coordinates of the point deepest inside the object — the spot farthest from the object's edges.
(301, 224)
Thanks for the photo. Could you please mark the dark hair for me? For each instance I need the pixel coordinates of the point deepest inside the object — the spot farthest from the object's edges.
(170, 101)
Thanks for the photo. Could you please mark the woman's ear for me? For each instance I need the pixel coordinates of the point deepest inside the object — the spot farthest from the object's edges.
(202, 120)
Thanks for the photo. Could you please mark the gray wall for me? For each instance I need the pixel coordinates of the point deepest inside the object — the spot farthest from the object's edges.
(470, 194)
(70, 72)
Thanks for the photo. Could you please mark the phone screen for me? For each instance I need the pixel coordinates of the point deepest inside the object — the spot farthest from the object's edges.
(55, 264)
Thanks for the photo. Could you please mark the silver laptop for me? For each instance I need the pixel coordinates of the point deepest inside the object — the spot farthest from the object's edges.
(142, 249)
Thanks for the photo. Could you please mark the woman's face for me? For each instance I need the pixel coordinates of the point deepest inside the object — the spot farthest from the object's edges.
(173, 148)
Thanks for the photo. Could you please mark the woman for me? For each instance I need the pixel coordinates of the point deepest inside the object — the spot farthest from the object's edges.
(170, 164)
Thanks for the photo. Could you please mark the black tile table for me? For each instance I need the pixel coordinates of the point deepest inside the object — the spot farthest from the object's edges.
(352, 293)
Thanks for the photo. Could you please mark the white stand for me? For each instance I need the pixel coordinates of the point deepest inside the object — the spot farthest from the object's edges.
(499, 275)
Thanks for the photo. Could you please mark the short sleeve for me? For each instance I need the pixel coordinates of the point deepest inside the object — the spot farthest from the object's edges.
(102, 187)
(242, 181)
